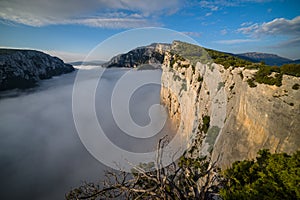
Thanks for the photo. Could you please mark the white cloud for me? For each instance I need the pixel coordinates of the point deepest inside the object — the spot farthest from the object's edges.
(122, 13)
(235, 41)
(279, 26)
(208, 14)
(246, 23)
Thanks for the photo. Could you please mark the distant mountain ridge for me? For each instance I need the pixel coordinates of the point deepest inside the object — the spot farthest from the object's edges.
(92, 62)
(154, 53)
(269, 59)
(25, 68)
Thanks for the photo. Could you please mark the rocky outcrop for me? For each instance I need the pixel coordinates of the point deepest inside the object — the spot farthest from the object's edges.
(24, 68)
(242, 119)
(152, 54)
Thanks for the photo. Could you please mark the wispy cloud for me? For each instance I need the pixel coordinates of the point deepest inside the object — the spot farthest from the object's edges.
(192, 34)
(278, 26)
(235, 41)
(291, 43)
(66, 56)
(208, 14)
(269, 10)
(126, 13)
(223, 32)
(246, 23)
(210, 5)
(93, 21)
(111, 23)
(218, 4)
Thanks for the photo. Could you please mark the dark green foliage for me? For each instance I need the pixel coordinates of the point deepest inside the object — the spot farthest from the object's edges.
(291, 69)
(251, 82)
(295, 86)
(175, 59)
(172, 63)
(205, 125)
(200, 78)
(263, 75)
(253, 66)
(271, 176)
(191, 52)
(220, 85)
(227, 60)
(193, 68)
(241, 75)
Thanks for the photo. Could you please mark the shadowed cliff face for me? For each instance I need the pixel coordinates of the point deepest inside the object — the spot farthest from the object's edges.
(24, 68)
(152, 54)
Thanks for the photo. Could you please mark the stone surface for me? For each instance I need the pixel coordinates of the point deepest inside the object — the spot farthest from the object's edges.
(262, 117)
(24, 68)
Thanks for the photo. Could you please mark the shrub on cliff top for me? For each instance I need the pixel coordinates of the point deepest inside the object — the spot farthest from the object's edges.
(271, 176)
(264, 75)
(291, 69)
(296, 86)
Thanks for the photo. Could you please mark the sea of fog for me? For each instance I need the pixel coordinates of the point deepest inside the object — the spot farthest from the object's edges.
(41, 154)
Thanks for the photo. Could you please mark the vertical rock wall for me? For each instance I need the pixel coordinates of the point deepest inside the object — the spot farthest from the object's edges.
(242, 119)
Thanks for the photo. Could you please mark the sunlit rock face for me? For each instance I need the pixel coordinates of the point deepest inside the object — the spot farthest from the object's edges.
(24, 68)
(262, 117)
(253, 118)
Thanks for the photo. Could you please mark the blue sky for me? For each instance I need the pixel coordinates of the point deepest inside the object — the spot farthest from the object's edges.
(70, 29)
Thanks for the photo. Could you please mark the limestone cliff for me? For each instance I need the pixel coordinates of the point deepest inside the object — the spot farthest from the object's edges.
(242, 119)
(261, 117)
(24, 68)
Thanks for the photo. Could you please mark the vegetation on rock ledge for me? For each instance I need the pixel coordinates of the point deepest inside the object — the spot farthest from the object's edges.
(271, 176)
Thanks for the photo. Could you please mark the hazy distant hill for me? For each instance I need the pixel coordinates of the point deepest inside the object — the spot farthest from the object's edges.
(93, 62)
(269, 59)
(296, 61)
